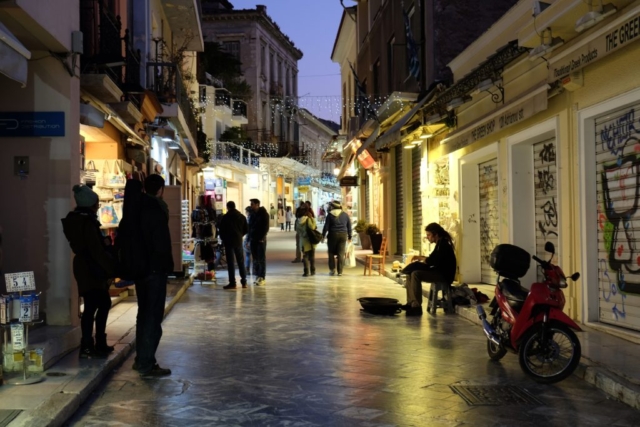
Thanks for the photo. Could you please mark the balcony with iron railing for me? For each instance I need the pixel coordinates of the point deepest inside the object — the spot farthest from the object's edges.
(165, 79)
(107, 52)
(239, 108)
(222, 100)
(232, 152)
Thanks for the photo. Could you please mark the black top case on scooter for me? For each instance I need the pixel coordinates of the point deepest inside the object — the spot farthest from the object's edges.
(512, 263)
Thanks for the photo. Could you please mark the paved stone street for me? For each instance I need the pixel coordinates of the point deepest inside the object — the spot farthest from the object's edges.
(299, 352)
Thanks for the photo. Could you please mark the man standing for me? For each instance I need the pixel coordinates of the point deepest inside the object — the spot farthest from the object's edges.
(233, 226)
(152, 291)
(298, 257)
(258, 229)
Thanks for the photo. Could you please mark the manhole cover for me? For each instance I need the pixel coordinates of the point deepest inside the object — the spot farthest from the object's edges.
(481, 395)
(56, 374)
(7, 415)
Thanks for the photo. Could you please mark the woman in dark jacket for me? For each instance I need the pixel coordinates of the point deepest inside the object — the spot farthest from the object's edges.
(338, 228)
(93, 266)
(440, 266)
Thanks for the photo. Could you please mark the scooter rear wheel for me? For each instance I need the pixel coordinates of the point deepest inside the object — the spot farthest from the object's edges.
(553, 360)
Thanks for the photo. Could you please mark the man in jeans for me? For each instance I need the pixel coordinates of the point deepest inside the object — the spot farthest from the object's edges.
(258, 229)
(233, 226)
(152, 291)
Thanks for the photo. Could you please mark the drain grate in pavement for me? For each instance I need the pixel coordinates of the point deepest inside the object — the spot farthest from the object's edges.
(482, 395)
(7, 415)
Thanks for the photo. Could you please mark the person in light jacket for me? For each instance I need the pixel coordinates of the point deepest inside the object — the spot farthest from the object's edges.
(338, 229)
(305, 222)
(281, 218)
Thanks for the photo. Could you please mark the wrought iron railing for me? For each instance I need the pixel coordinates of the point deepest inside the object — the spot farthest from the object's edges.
(165, 80)
(222, 98)
(239, 108)
(234, 152)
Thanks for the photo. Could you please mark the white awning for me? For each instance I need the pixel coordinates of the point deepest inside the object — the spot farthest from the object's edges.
(13, 57)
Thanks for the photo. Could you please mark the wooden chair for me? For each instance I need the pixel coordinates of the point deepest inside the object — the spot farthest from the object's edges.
(377, 259)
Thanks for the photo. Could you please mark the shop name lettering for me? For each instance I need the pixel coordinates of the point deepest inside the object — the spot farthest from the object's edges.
(507, 119)
(576, 63)
(37, 124)
(627, 32)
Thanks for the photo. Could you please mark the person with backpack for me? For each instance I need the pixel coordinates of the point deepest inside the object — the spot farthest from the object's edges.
(306, 222)
(233, 226)
(93, 266)
(337, 228)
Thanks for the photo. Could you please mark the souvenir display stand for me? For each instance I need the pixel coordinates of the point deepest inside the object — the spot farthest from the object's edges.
(206, 244)
(18, 311)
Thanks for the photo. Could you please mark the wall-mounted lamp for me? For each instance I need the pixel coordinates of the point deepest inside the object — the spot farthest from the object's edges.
(456, 102)
(336, 171)
(486, 85)
(594, 16)
(409, 146)
(548, 44)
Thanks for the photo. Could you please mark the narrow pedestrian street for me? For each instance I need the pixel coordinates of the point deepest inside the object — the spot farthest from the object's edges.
(299, 352)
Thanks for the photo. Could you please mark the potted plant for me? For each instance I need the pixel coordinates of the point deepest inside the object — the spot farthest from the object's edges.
(375, 236)
(360, 228)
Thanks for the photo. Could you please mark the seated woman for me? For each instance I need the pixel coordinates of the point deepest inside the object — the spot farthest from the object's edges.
(440, 266)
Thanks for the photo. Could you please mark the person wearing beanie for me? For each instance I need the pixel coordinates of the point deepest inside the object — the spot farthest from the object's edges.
(93, 267)
(338, 229)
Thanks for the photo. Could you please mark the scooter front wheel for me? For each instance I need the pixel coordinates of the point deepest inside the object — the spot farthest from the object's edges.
(549, 353)
(495, 351)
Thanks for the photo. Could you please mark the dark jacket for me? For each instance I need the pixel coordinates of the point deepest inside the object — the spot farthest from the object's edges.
(259, 224)
(92, 264)
(443, 260)
(232, 225)
(337, 222)
(155, 234)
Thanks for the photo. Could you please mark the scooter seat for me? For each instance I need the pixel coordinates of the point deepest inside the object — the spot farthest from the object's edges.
(514, 292)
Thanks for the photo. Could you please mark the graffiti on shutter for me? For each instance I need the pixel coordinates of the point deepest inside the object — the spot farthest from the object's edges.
(399, 202)
(416, 199)
(546, 198)
(489, 220)
(618, 226)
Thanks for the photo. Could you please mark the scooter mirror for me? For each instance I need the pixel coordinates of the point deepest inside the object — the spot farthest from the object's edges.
(575, 276)
(549, 247)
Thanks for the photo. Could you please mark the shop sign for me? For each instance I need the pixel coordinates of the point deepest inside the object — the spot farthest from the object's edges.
(303, 188)
(34, 123)
(349, 181)
(224, 173)
(615, 36)
(304, 181)
(365, 158)
(508, 116)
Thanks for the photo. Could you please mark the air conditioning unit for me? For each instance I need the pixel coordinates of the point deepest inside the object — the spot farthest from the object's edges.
(539, 7)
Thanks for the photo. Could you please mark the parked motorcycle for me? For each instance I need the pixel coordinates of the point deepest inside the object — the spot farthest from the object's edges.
(531, 322)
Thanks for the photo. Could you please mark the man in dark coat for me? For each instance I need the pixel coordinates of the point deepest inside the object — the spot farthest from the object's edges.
(258, 229)
(152, 290)
(93, 265)
(233, 226)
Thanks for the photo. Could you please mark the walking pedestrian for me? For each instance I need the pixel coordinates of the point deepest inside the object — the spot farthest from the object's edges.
(288, 217)
(281, 218)
(337, 228)
(440, 266)
(298, 257)
(93, 266)
(233, 226)
(246, 243)
(258, 230)
(307, 222)
(152, 290)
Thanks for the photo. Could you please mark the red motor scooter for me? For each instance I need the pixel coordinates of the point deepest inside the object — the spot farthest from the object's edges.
(531, 322)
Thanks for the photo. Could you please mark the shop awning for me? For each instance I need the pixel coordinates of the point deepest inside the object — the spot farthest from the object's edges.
(287, 167)
(13, 57)
(394, 133)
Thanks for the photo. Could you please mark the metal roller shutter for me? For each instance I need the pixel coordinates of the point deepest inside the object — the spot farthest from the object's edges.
(546, 196)
(367, 198)
(416, 199)
(489, 216)
(618, 191)
(399, 202)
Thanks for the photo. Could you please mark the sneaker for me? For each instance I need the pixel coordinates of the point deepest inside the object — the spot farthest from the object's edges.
(260, 281)
(405, 307)
(414, 311)
(339, 274)
(230, 286)
(155, 372)
(332, 273)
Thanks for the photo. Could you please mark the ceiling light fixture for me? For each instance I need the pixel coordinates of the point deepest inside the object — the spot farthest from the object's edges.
(409, 146)
(548, 44)
(594, 16)
(425, 134)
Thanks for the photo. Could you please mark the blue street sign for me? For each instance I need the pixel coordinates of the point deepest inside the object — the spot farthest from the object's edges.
(34, 123)
(304, 181)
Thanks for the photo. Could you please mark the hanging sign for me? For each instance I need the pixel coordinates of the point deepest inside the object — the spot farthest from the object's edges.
(304, 181)
(20, 282)
(303, 188)
(349, 181)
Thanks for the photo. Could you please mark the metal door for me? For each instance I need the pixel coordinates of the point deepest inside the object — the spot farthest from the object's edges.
(399, 202)
(416, 198)
(546, 200)
(489, 216)
(618, 190)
